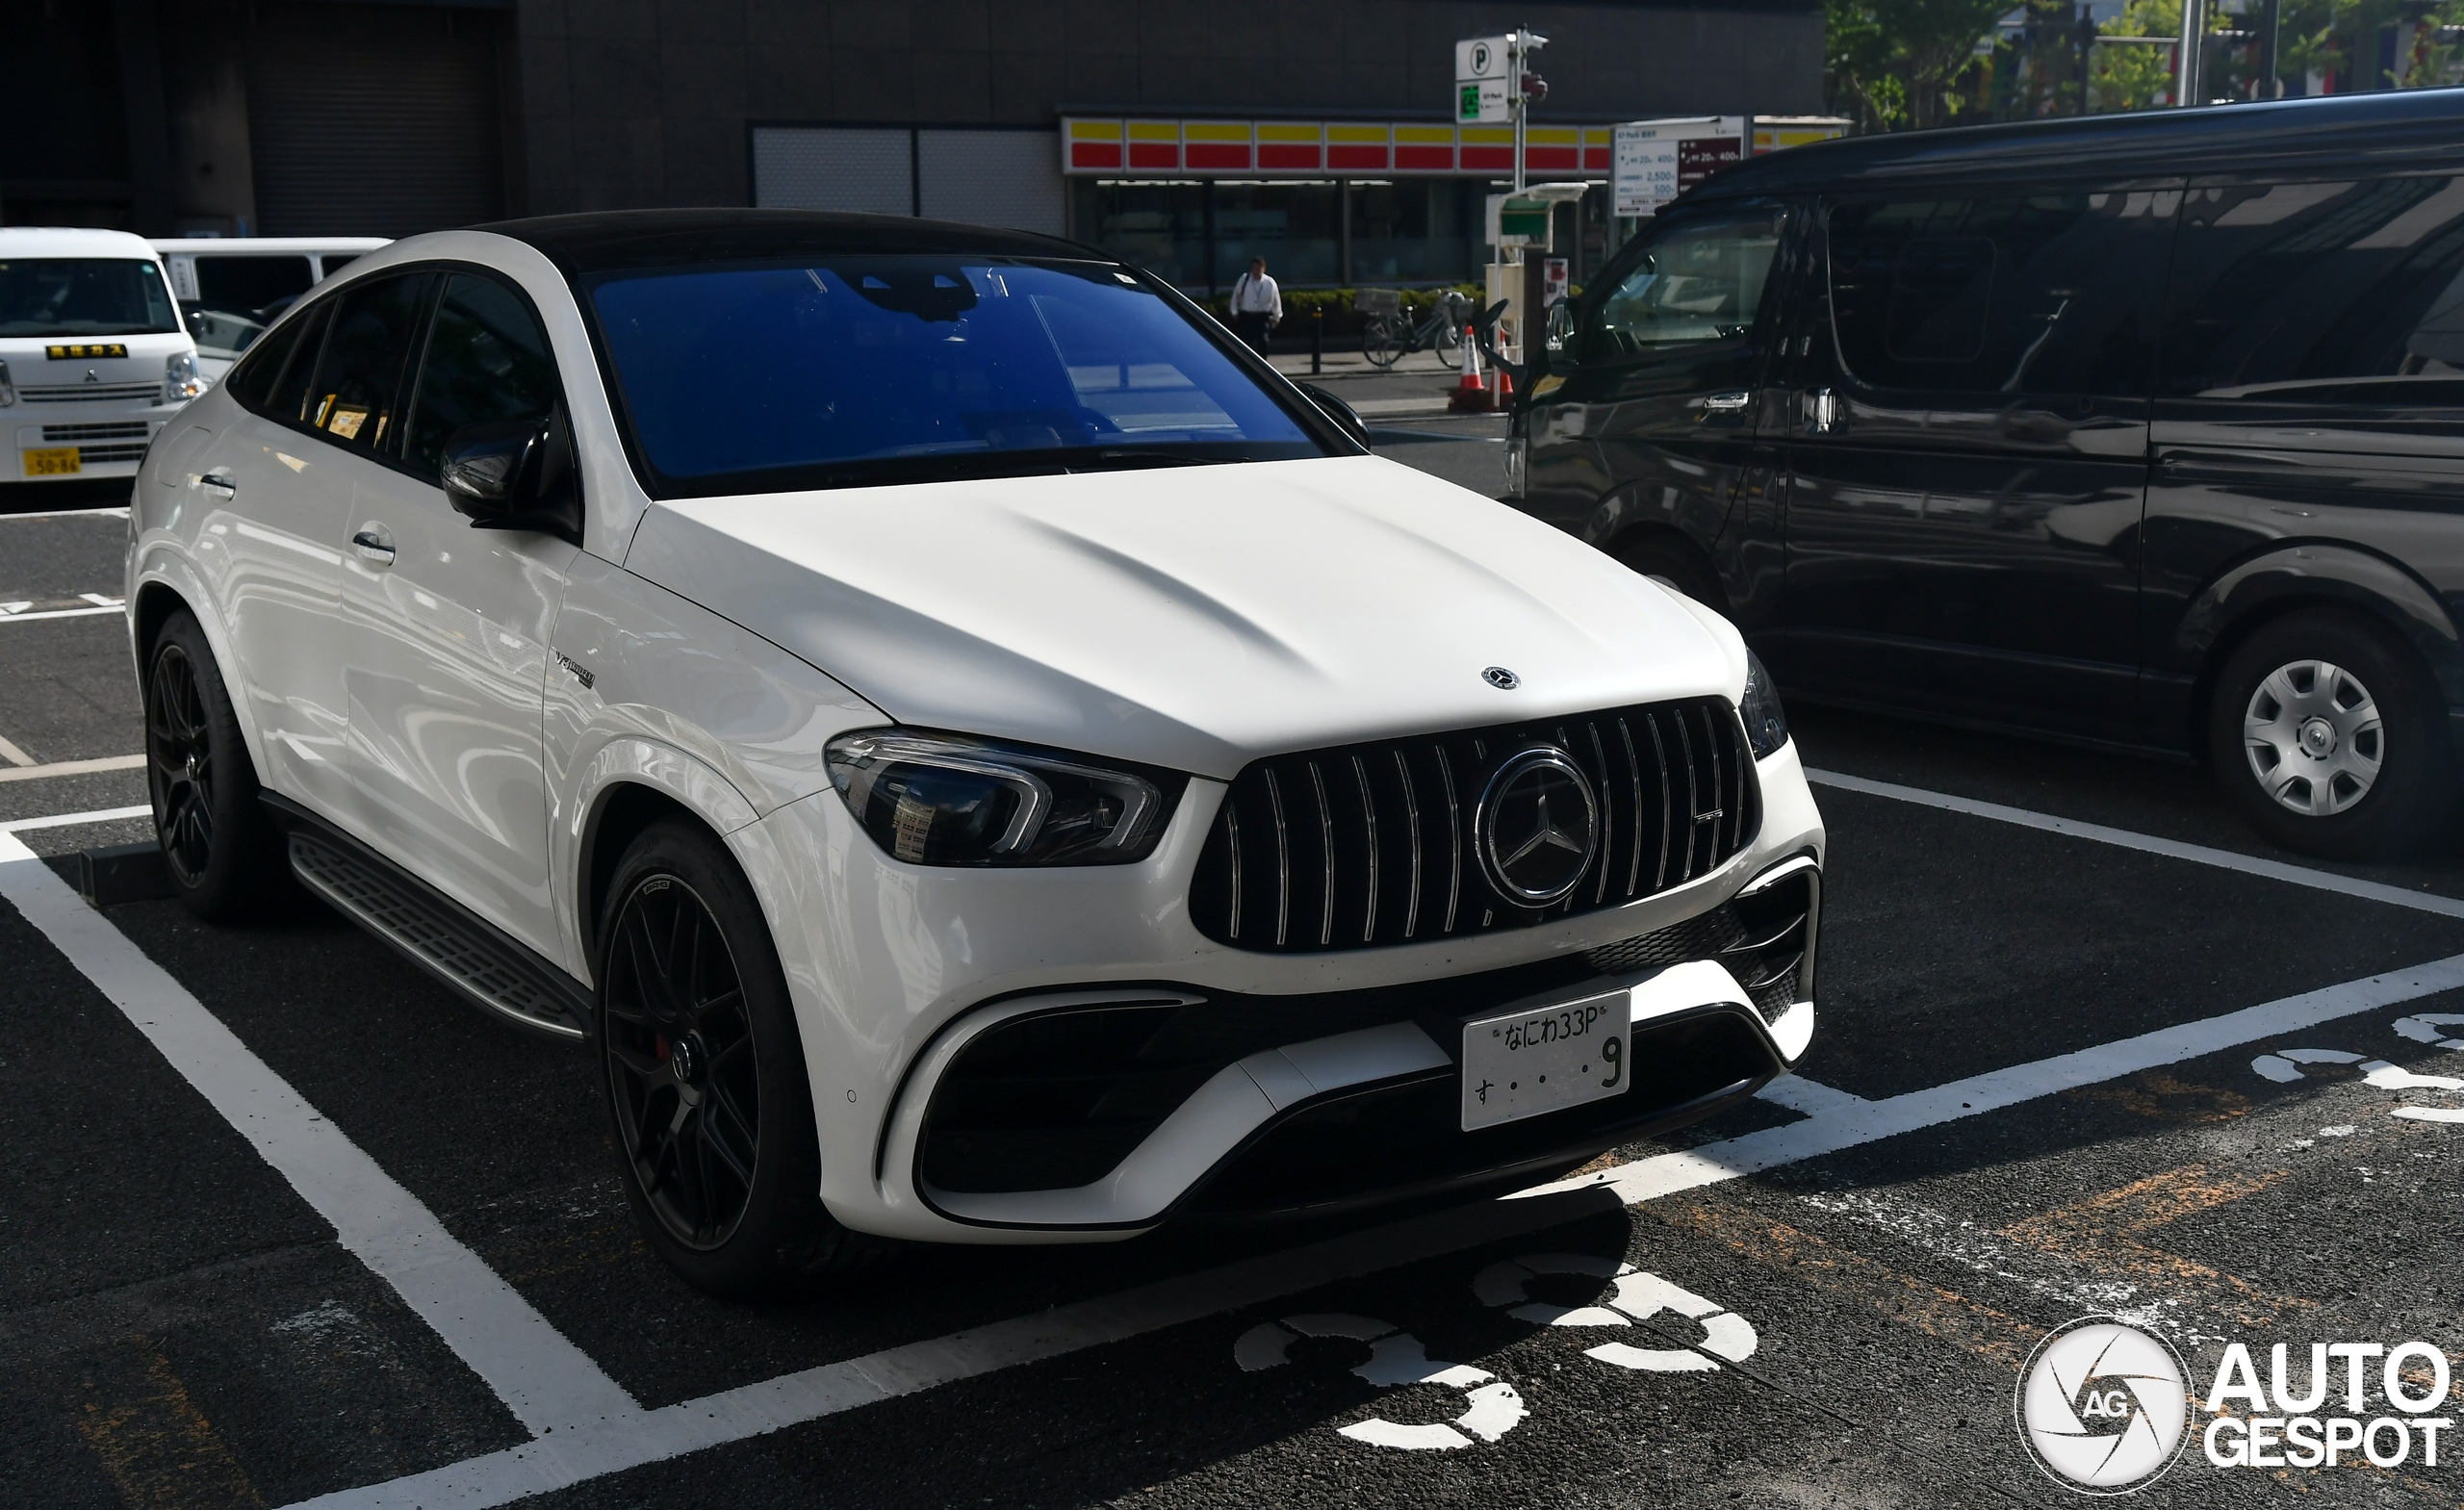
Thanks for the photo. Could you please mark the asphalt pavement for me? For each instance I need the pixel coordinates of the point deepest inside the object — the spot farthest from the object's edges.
(285, 1220)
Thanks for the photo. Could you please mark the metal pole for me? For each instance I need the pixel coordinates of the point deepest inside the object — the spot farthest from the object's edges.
(2271, 85)
(2186, 58)
(1514, 97)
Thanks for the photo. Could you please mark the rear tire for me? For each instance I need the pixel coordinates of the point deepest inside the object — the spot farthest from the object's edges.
(2330, 738)
(225, 858)
(1382, 342)
(704, 1074)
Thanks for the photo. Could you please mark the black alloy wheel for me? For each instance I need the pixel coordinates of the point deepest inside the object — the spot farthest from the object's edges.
(180, 763)
(225, 857)
(708, 1088)
(682, 1062)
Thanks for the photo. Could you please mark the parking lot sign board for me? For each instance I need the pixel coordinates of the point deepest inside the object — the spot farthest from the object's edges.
(1652, 162)
(1483, 69)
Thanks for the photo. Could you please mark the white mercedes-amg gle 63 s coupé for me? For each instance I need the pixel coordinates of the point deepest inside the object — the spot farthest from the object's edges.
(974, 754)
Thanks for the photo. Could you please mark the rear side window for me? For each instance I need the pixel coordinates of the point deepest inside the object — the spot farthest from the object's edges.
(2052, 293)
(1701, 279)
(356, 391)
(252, 381)
(487, 359)
(2341, 300)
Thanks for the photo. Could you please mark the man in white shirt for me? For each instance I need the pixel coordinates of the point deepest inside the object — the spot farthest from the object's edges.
(1257, 305)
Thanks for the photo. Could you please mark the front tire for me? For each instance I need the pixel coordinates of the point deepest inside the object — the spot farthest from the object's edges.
(704, 1074)
(224, 857)
(2328, 736)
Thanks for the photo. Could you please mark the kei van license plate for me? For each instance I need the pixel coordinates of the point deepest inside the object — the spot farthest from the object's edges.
(52, 461)
(1544, 1058)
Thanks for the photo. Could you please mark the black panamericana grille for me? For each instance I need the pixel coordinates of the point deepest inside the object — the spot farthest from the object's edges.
(1372, 844)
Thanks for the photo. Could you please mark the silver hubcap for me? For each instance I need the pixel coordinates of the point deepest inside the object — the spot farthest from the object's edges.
(2313, 736)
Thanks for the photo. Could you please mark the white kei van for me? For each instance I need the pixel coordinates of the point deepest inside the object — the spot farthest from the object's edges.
(94, 357)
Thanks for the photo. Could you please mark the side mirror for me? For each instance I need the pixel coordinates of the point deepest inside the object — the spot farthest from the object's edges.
(513, 475)
(1560, 341)
(1342, 413)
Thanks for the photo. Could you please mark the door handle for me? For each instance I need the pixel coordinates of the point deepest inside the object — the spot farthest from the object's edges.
(220, 483)
(375, 545)
(1821, 411)
(1724, 403)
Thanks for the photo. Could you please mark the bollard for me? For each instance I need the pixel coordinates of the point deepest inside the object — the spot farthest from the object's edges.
(1316, 341)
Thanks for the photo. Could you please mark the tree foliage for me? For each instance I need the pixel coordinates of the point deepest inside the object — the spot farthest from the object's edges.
(1898, 61)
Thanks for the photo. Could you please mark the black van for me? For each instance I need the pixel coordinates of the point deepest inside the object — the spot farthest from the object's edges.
(2141, 430)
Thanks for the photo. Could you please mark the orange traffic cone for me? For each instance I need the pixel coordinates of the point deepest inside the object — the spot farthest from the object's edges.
(1468, 397)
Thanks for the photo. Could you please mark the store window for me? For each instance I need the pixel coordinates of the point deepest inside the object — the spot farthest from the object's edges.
(1158, 226)
(1294, 226)
(1416, 231)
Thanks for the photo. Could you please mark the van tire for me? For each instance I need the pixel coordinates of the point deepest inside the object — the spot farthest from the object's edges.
(2329, 736)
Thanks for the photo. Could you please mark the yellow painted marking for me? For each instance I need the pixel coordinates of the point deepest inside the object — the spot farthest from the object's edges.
(158, 1448)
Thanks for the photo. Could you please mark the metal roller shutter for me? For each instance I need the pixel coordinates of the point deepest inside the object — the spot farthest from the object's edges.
(374, 120)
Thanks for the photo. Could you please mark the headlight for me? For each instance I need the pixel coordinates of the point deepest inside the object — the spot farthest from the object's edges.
(1766, 727)
(179, 377)
(946, 800)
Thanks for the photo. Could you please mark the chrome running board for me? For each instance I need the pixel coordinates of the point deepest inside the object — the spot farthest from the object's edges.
(480, 963)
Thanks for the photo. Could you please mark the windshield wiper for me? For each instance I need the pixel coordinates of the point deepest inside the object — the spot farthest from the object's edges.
(1116, 459)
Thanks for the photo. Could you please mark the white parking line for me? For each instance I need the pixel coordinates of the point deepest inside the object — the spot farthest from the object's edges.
(2173, 849)
(1845, 1126)
(59, 613)
(587, 1426)
(117, 510)
(547, 1382)
(71, 820)
(37, 773)
(14, 756)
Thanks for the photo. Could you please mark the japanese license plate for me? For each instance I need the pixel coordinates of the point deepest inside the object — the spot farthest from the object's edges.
(52, 461)
(1544, 1058)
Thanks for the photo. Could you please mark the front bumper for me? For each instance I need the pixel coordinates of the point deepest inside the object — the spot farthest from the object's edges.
(1108, 1113)
(895, 968)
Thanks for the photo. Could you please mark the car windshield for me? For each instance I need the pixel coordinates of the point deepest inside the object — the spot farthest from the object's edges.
(897, 368)
(83, 296)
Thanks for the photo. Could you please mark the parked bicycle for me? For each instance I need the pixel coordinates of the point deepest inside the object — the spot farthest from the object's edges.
(1391, 335)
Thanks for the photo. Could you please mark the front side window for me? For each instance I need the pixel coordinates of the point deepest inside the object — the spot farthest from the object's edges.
(2340, 302)
(358, 377)
(844, 370)
(1701, 279)
(2050, 294)
(487, 359)
(84, 296)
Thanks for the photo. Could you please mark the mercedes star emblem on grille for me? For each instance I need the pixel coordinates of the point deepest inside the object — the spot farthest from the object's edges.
(1537, 825)
(1501, 678)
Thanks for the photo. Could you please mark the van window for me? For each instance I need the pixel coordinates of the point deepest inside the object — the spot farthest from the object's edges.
(2342, 298)
(83, 296)
(1701, 278)
(2051, 294)
(250, 283)
(360, 374)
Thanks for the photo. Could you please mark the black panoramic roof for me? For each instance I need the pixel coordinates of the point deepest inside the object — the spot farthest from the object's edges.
(2393, 131)
(605, 242)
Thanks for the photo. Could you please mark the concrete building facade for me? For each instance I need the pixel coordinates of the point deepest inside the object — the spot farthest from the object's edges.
(369, 117)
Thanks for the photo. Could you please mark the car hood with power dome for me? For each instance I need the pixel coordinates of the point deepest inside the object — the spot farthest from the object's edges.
(1190, 617)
